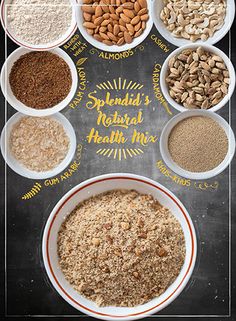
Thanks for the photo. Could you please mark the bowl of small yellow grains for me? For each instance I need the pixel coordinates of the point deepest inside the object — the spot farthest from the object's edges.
(119, 246)
(197, 144)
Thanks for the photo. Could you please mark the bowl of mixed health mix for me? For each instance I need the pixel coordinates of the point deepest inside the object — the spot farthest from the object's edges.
(119, 253)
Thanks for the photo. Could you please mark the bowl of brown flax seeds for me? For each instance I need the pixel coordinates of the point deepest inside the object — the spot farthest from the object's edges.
(39, 83)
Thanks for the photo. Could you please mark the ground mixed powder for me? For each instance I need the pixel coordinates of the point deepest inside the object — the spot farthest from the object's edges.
(40, 79)
(121, 248)
(39, 22)
(198, 144)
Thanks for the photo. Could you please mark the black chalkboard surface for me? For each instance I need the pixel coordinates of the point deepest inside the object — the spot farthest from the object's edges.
(28, 292)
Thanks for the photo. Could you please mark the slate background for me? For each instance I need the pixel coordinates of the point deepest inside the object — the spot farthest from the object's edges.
(29, 292)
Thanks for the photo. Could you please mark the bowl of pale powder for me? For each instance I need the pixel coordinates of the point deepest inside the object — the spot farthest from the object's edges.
(38, 147)
(38, 24)
(119, 253)
(197, 144)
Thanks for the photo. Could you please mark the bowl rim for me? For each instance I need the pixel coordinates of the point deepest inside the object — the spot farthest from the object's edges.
(115, 49)
(179, 42)
(30, 111)
(209, 48)
(69, 130)
(103, 178)
(43, 47)
(196, 175)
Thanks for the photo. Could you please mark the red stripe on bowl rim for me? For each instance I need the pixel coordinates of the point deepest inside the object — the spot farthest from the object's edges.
(132, 314)
(27, 46)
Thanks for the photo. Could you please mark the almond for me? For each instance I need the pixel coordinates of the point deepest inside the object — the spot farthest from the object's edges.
(90, 31)
(122, 28)
(142, 3)
(106, 16)
(87, 16)
(111, 36)
(128, 5)
(107, 42)
(129, 13)
(125, 18)
(122, 23)
(120, 41)
(119, 10)
(137, 7)
(88, 9)
(138, 26)
(98, 37)
(114, 16)
(142, 11)
(104, 36)
(116, 30)
(144, 17)
(89, 25)
(105, 23)
(102, 29)
(130, 28)
(127, 37)
(110, 27)
(98, 11)
(98, 21)
(135, 20)
(112, 9)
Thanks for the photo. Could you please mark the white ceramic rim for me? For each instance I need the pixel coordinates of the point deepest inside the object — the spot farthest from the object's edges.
(209, 48)
(70, 31)
(18, 105)
(99, 45)
(21, 169)
(195, 175)
(98, 179)
(219, 34)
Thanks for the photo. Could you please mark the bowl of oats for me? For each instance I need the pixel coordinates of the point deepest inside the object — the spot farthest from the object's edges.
(185, 22)
(122, 253)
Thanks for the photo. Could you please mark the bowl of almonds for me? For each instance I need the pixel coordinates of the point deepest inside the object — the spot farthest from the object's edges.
(186, 21)
(197, 77)
(114, 25)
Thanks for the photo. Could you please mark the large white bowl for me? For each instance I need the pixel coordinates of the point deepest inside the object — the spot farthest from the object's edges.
(100, 45)
(18, 105)
(59, 42)
(20, 169)
(196, 175)
(220, 53)
(158, 5)
(95, 186)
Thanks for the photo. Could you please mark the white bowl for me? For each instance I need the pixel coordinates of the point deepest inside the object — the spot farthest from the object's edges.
(228, 63)
(18, 105)
(158, 5)
(196, 175)
(20, 169)
(97, 44)
(95, 186)
(59, 42)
